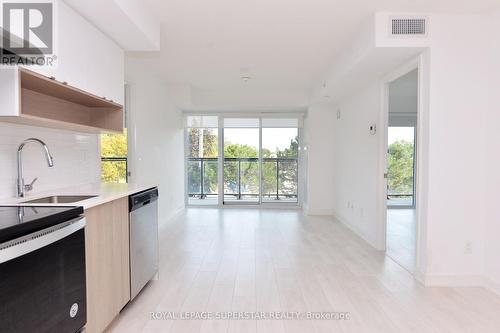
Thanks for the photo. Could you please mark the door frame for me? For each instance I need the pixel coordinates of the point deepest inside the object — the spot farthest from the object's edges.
(420, 64)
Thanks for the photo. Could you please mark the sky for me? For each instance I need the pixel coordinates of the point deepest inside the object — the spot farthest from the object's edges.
(271, 137)
(400, 133)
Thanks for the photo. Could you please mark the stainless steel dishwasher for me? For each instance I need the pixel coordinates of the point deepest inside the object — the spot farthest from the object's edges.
(143, 207)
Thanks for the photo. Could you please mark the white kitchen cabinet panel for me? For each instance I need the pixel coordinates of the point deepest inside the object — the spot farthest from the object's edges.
(9, 92)
(86, 58)
(73, 48)
(105, 68)
(26, 97)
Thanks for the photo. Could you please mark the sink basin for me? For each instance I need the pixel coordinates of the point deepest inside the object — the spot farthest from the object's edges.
(61, 199)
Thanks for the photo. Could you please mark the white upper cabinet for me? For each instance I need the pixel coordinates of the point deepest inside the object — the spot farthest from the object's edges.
(105, 68)
(26, 97)
(73, 39)
(86, 58)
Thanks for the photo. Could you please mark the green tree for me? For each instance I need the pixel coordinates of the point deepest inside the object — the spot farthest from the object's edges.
(209, 138)
(232, 150)
(249, 170)
(114, 145)
(400, 167)
(292, 150)
(288, 176)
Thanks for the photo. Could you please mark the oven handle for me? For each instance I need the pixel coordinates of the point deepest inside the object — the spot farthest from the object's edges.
(34, 241)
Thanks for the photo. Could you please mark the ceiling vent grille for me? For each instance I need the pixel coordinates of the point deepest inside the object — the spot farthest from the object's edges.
(408, 27)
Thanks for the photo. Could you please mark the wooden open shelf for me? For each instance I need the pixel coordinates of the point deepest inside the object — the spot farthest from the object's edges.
(47, 102)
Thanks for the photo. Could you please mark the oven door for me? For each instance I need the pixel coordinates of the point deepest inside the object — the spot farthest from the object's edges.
(42, 280)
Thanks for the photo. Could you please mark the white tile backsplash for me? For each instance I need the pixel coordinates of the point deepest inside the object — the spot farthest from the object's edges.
(76, 158)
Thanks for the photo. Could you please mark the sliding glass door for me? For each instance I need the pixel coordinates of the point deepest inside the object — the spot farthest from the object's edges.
(242, 160)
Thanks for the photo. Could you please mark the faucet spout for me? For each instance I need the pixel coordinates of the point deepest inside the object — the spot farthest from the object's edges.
(21, 187)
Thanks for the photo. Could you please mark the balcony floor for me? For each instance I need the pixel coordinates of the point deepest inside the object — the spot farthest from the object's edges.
(399, 202)
(401, 237)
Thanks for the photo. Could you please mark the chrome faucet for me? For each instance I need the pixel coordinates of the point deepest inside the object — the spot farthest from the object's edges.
(21, 187)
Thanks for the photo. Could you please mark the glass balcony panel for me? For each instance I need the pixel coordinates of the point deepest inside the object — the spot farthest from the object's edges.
(194, 178)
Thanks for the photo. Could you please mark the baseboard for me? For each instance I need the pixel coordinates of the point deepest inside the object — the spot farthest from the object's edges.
(491, 285)
(354, 229)
(453, 281)
(420, 277)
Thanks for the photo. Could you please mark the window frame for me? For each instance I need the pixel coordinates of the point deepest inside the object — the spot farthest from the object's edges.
(272, 115)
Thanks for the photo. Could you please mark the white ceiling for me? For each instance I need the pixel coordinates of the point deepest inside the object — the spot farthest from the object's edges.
(132, 26)
(283, 45)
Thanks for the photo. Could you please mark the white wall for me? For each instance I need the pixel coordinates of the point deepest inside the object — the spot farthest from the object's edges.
(76, 158)
(403, 94)
(319, 140)
(156, 138)
(492, 197)
(356, 171)
(458, 101)
(454, 197)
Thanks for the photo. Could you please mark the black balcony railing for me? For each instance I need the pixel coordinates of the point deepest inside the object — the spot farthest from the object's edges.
(400, 199)
(241, 178)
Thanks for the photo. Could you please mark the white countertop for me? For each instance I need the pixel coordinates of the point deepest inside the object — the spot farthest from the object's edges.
(104, 192)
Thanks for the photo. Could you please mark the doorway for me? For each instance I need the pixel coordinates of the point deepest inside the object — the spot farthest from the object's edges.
(401, 228)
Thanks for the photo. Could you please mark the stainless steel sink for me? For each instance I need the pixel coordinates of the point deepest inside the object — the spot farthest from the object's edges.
(61, 199)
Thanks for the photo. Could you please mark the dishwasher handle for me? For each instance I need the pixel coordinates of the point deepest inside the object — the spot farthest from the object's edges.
(143, 198)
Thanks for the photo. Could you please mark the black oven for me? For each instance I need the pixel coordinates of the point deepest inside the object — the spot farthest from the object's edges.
(42, 269)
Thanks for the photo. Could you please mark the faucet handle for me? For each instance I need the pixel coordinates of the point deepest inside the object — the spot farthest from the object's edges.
(29, 187)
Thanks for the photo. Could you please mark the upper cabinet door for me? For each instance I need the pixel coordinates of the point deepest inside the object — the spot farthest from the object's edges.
(105, 69)
(86, 58)
(72, 50)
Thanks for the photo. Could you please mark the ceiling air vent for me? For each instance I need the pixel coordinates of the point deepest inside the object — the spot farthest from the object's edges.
(408, 27)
